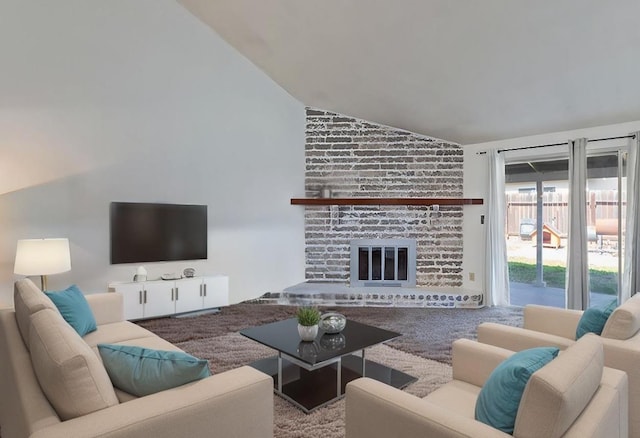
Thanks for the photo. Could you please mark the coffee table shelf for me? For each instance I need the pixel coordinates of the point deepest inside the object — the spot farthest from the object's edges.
(310, 390)
(313, 374)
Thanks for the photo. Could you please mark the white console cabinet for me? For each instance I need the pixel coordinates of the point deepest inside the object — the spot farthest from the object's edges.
(149, 299)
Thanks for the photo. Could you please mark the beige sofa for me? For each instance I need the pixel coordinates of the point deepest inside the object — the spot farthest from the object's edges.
(550, 326)
(572, 396)
(236, 403)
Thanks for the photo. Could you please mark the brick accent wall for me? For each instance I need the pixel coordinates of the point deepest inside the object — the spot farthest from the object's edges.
(356, 158)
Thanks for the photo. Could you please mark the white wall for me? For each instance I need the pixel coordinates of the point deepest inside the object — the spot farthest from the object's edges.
(476, 184)
(125, 100)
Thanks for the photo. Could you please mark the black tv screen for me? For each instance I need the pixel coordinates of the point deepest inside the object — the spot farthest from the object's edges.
(142, 232)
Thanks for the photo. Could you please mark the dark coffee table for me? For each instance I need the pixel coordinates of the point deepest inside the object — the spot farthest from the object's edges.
(313, 374)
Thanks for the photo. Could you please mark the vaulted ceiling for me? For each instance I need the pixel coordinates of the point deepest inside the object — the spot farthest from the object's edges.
(465, 71)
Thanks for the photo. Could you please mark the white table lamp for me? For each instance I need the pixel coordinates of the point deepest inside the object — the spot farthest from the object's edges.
(42, 257)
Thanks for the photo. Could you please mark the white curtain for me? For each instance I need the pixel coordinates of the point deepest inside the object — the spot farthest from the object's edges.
(577, 265)
(497, 271)
(631, 273)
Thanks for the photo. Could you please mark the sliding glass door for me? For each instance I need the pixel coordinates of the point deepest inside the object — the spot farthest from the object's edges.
(537, 224)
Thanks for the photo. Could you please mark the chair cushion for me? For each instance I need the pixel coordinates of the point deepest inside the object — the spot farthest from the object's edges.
(624, 322)
(594, 318)
(74, 309)
(558, 393)
(28, 299)
(143, 371)
(69, 372)
(456, 396)
(499, 399)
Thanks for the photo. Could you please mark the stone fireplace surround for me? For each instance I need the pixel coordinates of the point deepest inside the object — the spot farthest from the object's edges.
(356, 158)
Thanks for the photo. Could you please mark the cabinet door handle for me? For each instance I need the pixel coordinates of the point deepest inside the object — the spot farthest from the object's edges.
(145, 296)
(205, 289)
(200, 290)
(140, 296)
(172, 295)
(177, 290)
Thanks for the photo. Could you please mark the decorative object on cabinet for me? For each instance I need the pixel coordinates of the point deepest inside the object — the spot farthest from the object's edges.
(189, 272)
(141, 274)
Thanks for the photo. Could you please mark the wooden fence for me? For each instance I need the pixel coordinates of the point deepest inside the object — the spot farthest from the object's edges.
(601, 204)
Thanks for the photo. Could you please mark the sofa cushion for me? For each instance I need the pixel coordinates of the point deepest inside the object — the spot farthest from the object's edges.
(151, 342)
(74, 309)
(499, 399)
(28, 299)
(624, 322)
(116, 332)
(69, 373)
(143, 371)
(594, 318)
(558, 393)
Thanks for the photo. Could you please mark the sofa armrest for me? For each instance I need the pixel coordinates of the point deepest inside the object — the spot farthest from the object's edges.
(625, 356)
(106, 307)
(518, 339)
(473, 362)
(374, 410)
(552, 320)
(236, 404)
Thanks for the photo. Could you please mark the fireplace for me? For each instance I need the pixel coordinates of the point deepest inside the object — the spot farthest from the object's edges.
(383, 262)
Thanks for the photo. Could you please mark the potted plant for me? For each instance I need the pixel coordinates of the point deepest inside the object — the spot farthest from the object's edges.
(308, 319)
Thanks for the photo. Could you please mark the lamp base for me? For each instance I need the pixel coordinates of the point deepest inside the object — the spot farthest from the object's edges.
(43, 283)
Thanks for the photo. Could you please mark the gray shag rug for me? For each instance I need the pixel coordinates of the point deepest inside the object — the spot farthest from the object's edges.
(423, 351)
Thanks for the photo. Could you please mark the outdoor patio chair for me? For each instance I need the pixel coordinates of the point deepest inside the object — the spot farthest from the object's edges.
(571, 396)
(551, 326)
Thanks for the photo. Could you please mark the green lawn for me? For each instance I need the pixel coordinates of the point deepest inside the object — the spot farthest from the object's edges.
(600, 281)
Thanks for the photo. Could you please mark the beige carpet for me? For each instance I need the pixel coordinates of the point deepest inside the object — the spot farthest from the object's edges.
(233, 350)
(426, 332)
(427, 335)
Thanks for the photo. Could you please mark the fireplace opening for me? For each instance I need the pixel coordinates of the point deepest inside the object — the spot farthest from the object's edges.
(383, 262)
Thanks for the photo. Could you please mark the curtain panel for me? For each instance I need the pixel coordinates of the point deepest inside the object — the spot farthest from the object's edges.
(577, 284)
(631, 273)
(496, 267)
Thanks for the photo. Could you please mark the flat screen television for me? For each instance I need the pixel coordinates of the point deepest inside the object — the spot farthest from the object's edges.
(143, 232)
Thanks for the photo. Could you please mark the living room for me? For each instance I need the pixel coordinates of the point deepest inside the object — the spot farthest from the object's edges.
(109, 117)
(146, 102)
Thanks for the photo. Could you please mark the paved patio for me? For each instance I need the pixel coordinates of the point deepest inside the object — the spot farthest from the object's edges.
(523, 294)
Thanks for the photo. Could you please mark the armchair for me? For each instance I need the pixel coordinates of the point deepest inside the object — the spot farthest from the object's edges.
(550, 326)
(574, 395)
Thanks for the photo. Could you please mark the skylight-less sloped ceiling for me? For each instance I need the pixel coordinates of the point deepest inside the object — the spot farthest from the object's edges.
(463, 71)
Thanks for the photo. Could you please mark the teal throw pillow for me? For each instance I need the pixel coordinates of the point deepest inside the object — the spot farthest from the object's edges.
(499, 399)
(143, 371)
(74, 309)
(594, 318)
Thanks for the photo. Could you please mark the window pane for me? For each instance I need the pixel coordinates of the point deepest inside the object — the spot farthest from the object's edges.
(537, 224)
(603, 227)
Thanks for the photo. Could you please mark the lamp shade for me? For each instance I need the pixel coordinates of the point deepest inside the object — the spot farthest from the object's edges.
(42, 257)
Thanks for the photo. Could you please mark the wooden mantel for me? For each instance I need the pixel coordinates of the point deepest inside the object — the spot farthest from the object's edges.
(387, 201)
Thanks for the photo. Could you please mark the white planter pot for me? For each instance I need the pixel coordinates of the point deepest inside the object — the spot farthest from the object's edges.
(308, 333)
